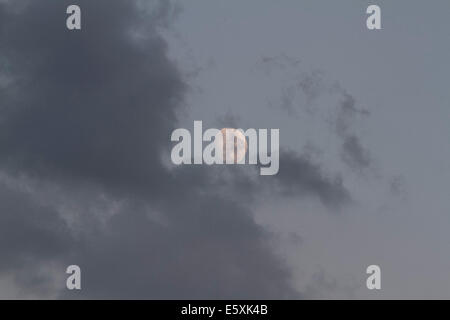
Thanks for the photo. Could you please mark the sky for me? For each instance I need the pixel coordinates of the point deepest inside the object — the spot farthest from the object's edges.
(86, 176)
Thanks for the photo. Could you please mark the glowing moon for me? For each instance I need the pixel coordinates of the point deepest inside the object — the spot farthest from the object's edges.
(233, 144)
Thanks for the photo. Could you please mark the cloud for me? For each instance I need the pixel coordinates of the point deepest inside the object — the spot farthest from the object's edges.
(310, 92)
(299, 176)
(93, 105)
(93, 110)
(325, 286)
(32, 237)
(85, 116)
(353, 154)
(210, 248)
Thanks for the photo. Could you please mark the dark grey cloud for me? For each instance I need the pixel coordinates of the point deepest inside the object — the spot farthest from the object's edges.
(32, 235)
(347, 112)
(210, 248)
(94, 109)
(95, 105)
(300, 92)
(90, 112)
(22, 220)
(353, 153)
(300, 176)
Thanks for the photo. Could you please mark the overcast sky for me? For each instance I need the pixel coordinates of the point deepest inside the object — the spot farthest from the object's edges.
(85, 170)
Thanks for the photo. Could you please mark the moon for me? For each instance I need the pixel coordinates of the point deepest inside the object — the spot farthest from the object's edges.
(229, 146)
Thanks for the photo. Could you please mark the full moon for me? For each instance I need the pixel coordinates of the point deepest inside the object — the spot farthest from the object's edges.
(236, 149)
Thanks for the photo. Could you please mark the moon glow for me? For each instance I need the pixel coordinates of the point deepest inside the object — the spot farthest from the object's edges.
(233, 144)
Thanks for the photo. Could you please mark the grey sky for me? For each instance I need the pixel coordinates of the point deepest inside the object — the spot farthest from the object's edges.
(85, 121)
(399, 75)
